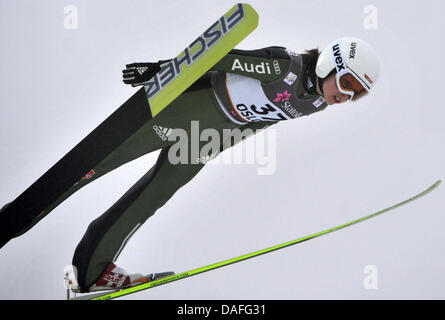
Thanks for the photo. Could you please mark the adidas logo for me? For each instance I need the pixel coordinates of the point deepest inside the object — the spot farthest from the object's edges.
(141, 70)
(162, 132)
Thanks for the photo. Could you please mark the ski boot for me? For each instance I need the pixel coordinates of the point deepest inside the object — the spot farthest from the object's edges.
(115, 278)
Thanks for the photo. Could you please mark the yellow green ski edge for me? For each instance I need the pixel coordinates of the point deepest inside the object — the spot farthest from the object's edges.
(149, 285)
(203, 53)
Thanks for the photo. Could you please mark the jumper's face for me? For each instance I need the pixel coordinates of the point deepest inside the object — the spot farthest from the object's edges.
(331, 93)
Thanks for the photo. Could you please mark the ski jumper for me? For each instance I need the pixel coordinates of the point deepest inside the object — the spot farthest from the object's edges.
(247, 89)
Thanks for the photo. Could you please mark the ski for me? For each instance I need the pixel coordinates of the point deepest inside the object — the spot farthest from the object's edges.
(173, 79)
(120, 293)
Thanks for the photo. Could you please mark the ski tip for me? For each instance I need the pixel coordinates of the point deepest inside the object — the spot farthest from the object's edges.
(248, 18)
(250, 11)
(436, 184)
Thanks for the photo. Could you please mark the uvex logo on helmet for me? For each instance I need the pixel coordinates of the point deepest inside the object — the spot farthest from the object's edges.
(352, 50)
(338, 57)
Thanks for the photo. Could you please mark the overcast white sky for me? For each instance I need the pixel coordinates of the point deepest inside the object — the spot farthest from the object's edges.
(56, 85)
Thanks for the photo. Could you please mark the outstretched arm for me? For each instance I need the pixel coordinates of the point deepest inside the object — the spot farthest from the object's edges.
(237, 61)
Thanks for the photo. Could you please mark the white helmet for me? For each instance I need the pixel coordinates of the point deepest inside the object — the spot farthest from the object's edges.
(355, 62)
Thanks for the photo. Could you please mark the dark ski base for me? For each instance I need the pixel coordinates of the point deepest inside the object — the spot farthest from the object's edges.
(101, 142)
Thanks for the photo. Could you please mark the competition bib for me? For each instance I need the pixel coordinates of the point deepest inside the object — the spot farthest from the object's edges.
(249, 101)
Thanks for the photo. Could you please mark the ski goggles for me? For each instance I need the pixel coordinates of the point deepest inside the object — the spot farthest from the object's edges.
(348, 83)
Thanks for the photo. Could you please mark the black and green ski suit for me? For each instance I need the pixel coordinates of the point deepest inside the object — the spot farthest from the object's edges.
(283, 84)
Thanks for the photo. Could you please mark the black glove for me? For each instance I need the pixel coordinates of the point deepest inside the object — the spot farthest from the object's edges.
(137, 74)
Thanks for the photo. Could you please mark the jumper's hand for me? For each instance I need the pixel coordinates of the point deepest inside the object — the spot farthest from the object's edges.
(137, 74)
